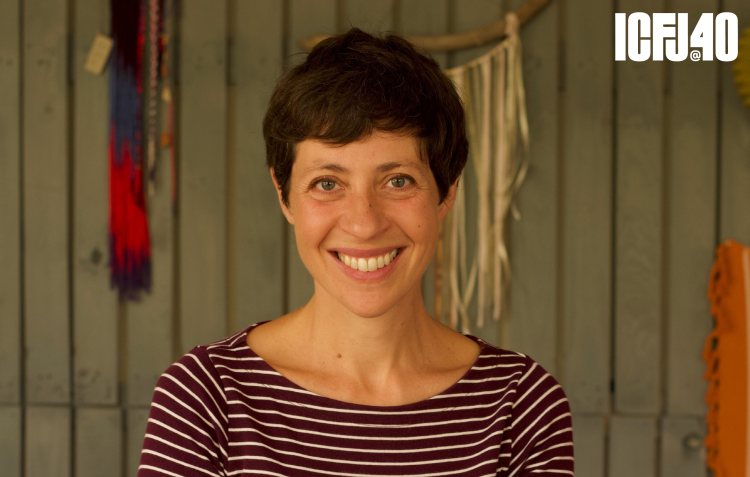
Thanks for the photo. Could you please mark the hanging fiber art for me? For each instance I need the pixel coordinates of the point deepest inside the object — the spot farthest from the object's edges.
(491, 88)
(728, 362)
(130, 254)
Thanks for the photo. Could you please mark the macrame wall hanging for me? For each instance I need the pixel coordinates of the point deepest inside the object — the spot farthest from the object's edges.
(129, 241)
(491, 88)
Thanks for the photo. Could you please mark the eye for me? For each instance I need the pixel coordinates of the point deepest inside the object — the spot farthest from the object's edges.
(399, 182)
(325, 184)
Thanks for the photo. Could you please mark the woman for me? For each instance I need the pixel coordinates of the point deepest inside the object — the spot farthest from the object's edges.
(365, 144)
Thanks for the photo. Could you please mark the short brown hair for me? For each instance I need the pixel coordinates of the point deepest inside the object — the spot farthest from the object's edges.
(353, 84)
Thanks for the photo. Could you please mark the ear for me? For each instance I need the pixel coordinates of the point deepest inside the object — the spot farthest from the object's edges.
(450, 198)
(284, 209)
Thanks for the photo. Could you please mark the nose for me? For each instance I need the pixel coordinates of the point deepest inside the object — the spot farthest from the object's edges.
(364, 216)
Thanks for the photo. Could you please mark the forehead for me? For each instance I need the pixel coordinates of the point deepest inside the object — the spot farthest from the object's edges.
(373, 152)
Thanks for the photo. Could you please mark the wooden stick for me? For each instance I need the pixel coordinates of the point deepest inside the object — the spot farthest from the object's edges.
(457, 41)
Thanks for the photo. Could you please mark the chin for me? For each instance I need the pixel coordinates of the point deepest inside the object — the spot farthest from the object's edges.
(364, 309)
(366, 305)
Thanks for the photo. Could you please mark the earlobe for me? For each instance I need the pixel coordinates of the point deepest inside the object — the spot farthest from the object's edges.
(284, 209)
(448, 201)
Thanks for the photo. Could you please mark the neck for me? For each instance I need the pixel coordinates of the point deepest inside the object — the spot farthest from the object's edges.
(374, 347)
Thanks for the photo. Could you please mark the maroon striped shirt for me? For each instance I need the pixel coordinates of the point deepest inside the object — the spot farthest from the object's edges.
(221, 410)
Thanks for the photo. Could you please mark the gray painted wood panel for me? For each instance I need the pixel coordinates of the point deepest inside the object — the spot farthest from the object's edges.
(587, 205)
(258, 59)
(202, 202)
(137, 419)
(632, 446)
(533, 240)
(149, 323)
(638, 225)
(691, 221)
(10, 440)
(10, 195)
(372, 17)
(735, 142)
(682, 453)
(45, 197)
(98, 442)
(588, 440)
(424, 17)
(94, 303)
(48, 442)
(306, 18)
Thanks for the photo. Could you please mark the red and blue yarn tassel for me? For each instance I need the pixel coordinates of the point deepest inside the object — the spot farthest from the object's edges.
(130, 251)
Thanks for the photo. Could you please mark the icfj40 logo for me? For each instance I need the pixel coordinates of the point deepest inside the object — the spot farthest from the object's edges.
(712, 37)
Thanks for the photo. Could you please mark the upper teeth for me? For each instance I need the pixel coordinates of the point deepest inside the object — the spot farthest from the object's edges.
(368, 264)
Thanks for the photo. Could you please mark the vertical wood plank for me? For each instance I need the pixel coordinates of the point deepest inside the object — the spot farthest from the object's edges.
(45, 196)
(682, 451)
(48, 446)
(10, 204)
(373, 17)
(94, 303)
(202, 138)
(10, 441)
(98, 442)
(149, 335)
(306, 18)
(735, 142)
(632, 446)
(423, 17)
(257, 59)
(692, 159)
(534, 239)
(587, 204)
(137, 420)
(588, 439)
(468, 15)
(639, 230)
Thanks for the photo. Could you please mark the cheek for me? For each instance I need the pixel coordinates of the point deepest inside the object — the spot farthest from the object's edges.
(313, 221)
(418, 219)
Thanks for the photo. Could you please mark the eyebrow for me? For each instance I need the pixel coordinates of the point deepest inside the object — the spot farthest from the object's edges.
(388, 166)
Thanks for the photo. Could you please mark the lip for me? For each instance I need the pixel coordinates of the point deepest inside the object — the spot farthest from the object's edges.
(365, 252)
(377, 275)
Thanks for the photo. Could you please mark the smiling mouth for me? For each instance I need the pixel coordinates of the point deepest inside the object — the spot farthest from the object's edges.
(368, 264)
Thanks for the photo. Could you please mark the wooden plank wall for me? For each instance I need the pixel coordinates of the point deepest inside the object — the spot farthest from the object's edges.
(637, 171)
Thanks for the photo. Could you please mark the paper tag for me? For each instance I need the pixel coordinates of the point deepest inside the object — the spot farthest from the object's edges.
(98, 54)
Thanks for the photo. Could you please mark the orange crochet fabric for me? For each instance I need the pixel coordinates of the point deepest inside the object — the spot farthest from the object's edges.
(726, 357)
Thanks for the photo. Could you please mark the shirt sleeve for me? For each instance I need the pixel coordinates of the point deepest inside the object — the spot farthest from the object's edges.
(542, 429)
(186, 434)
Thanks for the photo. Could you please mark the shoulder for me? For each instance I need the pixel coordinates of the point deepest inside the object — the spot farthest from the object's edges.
(538, 397)
(196, 376)
(494, 362)
(541, 428)
(188, 422)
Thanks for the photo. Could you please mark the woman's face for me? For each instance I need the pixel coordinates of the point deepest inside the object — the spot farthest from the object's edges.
(373, 205)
